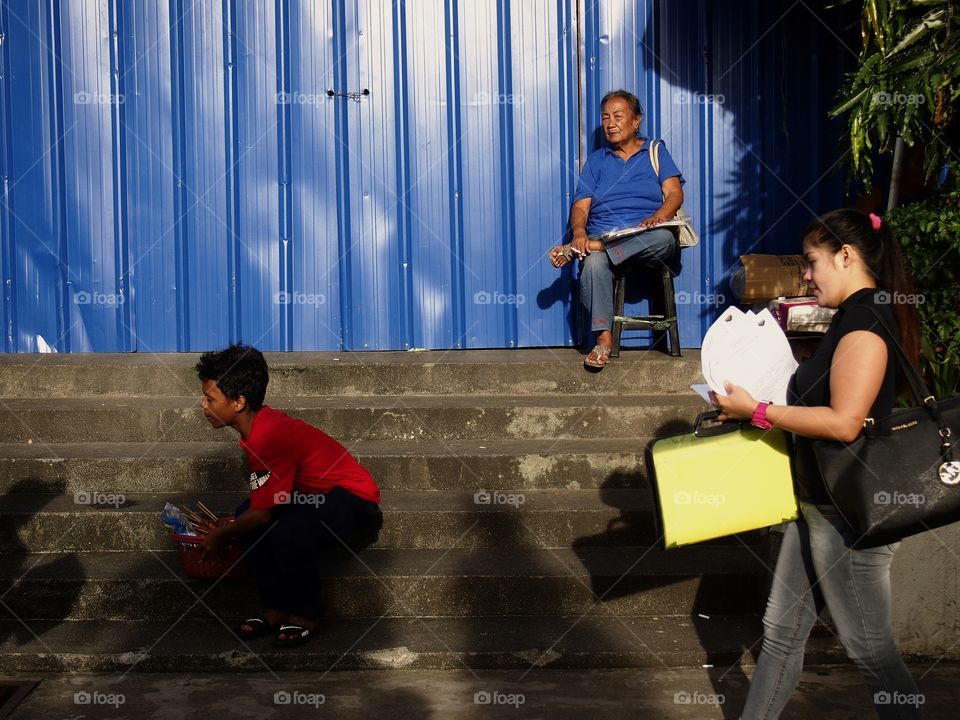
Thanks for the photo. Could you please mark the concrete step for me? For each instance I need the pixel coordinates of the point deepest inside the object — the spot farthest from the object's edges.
(825, 692)
(464, 372)
(497, 464)
(34, 522)
(399, 583)
(417, 418)
(391, 643)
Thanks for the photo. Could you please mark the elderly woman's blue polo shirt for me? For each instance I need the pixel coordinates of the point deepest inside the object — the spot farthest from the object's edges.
(624, 193)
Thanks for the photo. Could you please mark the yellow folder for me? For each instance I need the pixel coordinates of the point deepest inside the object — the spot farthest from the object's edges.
(720, 481)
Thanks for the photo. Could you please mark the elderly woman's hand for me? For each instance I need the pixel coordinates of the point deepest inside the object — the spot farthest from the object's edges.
(736, 404)
(580, 244)
(654, 220)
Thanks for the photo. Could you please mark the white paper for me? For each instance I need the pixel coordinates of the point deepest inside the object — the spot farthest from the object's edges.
(749, 350)
(703, 390)
(718, 336)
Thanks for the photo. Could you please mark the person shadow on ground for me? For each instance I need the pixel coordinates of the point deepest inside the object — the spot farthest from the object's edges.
(731, 577)
(48, 587)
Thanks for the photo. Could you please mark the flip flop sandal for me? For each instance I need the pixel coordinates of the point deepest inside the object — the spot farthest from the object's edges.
(259, 628)
(598, 357)
(300, 635)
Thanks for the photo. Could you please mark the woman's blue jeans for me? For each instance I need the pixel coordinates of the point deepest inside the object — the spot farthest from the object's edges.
(655, 247)
(817, 564)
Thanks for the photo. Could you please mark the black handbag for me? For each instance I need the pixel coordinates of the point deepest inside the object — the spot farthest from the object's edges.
(899, 477)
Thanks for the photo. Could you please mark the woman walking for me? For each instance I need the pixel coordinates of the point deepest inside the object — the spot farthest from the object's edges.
(853, 265)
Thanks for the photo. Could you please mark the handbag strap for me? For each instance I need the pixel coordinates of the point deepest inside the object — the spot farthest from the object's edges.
(914, 379)
(917, 385)
(681, 213)
(655, 157)
(655, 162)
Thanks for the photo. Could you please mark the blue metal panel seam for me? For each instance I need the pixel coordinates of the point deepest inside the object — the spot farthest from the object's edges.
(124, 321)
(285, 203)
(58, 176)
(567, 99)
(232, 155)
(6, 210)
(342, 174)
(404, 183)
(180, 202)
(651, 55)
(508, 220)
(705, 206)
(455, 165)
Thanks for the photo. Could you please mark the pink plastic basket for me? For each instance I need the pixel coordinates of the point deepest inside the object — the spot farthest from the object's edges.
(228, 562)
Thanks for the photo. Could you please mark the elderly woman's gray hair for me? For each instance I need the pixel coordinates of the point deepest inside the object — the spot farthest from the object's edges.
(632, 100)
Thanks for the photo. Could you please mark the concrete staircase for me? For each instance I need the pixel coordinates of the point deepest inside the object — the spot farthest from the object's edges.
(571, 577)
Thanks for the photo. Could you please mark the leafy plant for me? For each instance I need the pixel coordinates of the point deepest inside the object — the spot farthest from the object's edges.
(906, 83)
(929, 235)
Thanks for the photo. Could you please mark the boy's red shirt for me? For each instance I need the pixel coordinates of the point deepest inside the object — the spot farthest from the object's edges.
(287, 455)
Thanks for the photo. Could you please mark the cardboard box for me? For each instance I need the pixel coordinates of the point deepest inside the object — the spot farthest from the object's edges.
(764, 277)
(801, 314)
(807, 318)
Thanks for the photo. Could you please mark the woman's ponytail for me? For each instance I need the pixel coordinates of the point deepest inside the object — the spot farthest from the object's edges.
(874, 240)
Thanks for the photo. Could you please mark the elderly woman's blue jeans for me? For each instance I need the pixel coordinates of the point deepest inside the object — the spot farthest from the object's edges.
(655, 248)
(817, 564)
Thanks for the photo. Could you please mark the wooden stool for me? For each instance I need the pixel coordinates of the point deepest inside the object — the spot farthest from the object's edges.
(662, 325)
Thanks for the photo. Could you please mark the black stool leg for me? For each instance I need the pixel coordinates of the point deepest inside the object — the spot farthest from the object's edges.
(619, 293)
(670, 310)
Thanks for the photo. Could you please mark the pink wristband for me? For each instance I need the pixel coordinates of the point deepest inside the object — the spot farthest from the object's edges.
(759, 418)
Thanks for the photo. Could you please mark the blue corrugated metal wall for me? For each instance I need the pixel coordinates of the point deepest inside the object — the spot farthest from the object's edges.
(177, 175)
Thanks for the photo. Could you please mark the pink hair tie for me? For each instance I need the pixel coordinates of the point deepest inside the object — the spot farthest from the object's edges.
(875, 221)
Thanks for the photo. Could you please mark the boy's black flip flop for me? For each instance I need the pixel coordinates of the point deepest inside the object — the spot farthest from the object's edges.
(260, 628)
(299, 633)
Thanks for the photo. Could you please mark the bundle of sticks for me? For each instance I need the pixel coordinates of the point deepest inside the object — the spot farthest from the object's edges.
(204, 520)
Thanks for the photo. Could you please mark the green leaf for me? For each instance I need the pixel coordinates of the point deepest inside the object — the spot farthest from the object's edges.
(873, 19)
(840, 109)
(931, 22)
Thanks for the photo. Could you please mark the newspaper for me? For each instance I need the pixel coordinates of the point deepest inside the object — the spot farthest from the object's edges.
(625, 232)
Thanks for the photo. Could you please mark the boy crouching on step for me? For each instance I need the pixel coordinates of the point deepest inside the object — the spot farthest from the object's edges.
(309, 497)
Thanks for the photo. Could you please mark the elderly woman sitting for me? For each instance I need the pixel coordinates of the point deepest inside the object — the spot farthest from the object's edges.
(619, 189)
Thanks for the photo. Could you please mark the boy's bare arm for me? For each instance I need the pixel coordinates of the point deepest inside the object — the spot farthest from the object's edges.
(251, 519)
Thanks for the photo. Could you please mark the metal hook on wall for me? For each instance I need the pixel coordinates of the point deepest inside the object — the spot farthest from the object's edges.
(350, 95)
